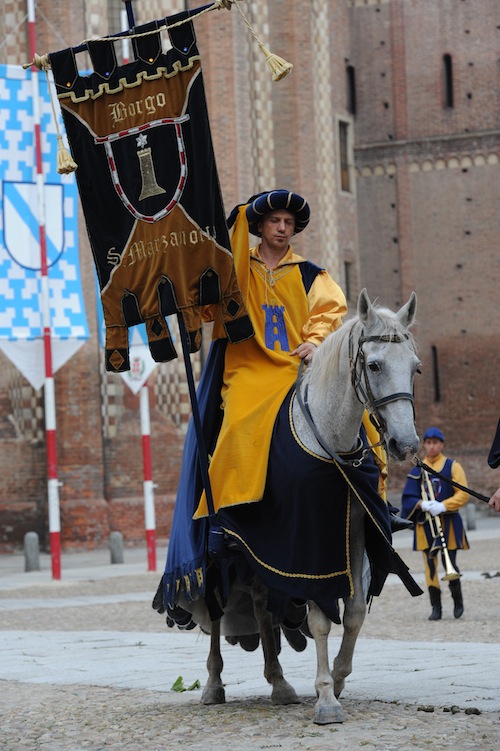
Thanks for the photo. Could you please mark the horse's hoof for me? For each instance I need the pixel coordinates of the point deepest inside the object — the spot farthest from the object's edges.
(213, 695)
(284, 695)
(328, 715)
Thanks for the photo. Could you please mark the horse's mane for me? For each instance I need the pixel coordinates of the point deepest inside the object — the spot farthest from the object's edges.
(326, 361)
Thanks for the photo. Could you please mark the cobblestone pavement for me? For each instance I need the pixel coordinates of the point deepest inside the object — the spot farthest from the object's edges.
(85, 663)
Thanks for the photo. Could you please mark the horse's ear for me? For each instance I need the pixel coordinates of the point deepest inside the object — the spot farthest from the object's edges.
(406, 314)
(365, 308)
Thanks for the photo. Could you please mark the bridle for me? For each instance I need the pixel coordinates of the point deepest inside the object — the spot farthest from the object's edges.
(361, 385)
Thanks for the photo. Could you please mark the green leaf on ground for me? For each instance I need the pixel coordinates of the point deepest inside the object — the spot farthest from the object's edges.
(180, 687)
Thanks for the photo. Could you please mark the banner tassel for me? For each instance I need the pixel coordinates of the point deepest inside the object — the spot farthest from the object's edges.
(65, 162)
(278, 65)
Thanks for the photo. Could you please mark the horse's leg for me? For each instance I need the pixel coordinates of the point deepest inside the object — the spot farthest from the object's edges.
(354, 615)
(354, 611)
(327, 709)
(282, 692)
(214, 693)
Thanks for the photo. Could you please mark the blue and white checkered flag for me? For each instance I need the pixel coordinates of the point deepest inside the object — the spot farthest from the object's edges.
(21, 325)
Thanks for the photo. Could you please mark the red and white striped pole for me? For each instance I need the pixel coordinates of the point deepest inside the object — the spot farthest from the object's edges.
(49, 392)
(126, 42)
(149, 501)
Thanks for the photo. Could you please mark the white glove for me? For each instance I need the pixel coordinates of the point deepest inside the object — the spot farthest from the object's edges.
(426, 505)
(436, 507)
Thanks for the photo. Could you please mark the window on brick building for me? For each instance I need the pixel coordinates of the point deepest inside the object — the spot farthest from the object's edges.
(351, 89)
(345, 147)
(448, 80)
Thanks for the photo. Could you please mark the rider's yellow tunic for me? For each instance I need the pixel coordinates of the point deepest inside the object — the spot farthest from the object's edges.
(259, 372)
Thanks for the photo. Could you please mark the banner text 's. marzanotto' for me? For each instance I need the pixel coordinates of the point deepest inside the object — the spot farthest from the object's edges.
(141, 250)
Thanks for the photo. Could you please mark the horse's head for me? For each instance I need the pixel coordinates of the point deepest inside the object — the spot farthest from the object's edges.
(384, 364)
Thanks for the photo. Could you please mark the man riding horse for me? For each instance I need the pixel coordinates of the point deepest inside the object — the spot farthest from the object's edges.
(293, 305)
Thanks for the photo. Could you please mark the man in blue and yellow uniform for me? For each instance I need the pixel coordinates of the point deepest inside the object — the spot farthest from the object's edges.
(446, 503)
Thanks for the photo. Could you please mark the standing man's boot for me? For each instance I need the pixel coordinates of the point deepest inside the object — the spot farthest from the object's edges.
(435, 595)
(456, 593)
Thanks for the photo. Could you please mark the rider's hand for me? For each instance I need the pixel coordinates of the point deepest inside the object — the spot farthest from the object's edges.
(425, 505)
(305, 351)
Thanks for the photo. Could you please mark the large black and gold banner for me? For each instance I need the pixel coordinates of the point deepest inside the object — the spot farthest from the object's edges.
(148, 183)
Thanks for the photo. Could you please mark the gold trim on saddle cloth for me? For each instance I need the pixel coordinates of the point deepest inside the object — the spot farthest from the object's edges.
(297, 575)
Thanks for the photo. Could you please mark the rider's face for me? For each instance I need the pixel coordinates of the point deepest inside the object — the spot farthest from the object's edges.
(277, 228)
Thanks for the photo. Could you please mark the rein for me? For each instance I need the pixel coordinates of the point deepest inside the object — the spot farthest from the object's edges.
(360, 455)
(419, 463)
(363, 393)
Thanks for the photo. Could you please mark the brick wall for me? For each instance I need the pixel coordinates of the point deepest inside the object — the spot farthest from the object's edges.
(422, 214)
(428, 180)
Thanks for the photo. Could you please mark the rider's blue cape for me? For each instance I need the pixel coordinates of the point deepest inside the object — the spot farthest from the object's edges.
(185, 568)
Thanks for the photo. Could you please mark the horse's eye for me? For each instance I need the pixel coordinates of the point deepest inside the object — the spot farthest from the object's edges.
(374, 367)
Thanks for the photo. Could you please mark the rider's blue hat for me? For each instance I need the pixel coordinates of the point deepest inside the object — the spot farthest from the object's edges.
(434, 433)
(275, 200)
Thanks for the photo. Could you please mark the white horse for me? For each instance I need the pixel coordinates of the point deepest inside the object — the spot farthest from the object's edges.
(369, 363)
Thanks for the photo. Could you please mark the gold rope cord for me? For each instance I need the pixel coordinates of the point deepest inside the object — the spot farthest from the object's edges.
(279, 67)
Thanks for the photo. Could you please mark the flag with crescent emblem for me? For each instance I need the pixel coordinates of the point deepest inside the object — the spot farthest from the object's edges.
(148, 184)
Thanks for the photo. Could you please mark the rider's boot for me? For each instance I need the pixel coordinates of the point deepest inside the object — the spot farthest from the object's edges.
(398, 523)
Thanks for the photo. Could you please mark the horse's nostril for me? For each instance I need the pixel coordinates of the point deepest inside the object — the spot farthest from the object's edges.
(397, 451)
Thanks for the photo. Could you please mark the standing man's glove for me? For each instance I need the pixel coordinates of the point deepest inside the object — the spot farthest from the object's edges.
(426, 505)
(436, 507)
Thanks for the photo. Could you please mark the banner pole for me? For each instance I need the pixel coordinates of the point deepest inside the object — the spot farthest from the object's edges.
(49, 391)
(149, 500)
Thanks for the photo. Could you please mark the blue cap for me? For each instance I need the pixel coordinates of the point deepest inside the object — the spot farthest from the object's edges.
(433, 433)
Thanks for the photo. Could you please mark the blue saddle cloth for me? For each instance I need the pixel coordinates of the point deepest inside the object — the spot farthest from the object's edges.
(296, 538)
